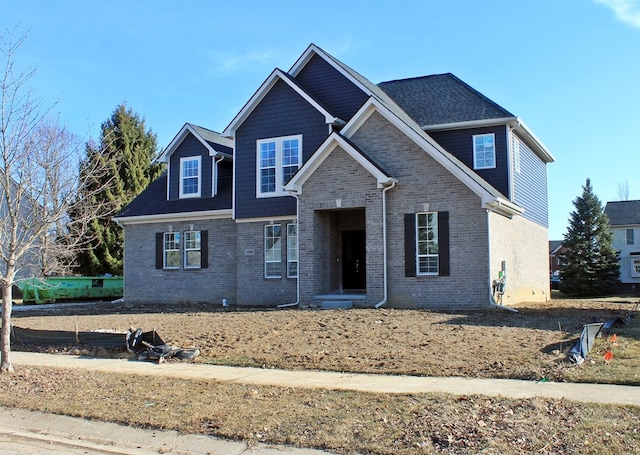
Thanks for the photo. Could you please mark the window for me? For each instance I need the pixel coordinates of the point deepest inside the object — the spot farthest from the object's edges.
(190, 176)
(630, 238)
(171, 250)
(292, 250)
(192, 250)
(484, 152)
(427, 243)
(278, 161)
(635, 267)
(272, 251)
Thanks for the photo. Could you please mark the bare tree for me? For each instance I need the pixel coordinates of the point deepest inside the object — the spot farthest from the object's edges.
(40, 185)
(623, 191)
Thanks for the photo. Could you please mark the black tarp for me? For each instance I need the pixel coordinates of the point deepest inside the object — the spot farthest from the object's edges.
(63, 338)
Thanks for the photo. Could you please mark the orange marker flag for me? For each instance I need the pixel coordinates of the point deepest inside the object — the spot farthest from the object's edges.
(608, 356)
(614, 338)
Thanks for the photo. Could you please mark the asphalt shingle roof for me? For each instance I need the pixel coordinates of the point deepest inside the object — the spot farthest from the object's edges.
(441, 99)
(623, 213)
(153, 201)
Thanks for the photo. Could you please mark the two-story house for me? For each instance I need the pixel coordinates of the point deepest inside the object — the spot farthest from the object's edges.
(327, 189)
(624, 222)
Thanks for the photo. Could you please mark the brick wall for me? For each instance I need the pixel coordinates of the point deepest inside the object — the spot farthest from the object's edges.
(523, 245)
(145, 283)
(253, 289)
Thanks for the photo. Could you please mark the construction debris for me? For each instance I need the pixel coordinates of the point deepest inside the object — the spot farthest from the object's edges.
(138, 343)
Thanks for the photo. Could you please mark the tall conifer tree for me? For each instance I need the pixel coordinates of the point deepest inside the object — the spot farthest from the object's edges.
(590, 264)
(128, 149)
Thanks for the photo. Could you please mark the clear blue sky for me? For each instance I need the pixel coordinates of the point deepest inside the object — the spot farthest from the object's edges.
(569, 68)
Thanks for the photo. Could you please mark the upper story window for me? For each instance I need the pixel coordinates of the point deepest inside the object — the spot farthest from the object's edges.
(484, 151)
(278, 160)
(622, 237)
(630, 237)
(190, 178)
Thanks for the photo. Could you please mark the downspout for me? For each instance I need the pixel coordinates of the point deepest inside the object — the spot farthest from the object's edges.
(215, 183)
(384, 244)
(297, 302)
(492, 302)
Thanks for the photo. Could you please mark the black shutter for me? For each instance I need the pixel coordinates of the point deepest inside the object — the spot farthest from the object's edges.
(159, 250)
(443, 243)
(204, 249)
(410, 244)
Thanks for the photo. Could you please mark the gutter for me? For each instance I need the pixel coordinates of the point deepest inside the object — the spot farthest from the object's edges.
(215, 164)
(391, 184)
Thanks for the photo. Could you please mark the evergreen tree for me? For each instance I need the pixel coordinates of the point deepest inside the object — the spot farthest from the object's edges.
(590, 264)
(128, 149)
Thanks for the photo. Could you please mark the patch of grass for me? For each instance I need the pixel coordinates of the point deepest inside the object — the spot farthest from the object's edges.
(340, 421)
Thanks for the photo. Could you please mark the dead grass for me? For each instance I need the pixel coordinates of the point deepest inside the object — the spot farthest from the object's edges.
(341, 422)
(531, 344)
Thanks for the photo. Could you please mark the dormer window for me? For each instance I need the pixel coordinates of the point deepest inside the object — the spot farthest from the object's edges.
(484, 151)
(190, 176)
(278, 160)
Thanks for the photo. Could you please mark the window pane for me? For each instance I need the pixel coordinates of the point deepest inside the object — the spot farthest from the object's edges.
(190, 176)
(484, 151)
(193, 259)
(630, 237)
(172, 259)
(427, 243)
(272, 251)
(292, 250)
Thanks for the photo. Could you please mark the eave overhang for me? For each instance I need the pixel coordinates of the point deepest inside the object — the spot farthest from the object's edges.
(174, 217)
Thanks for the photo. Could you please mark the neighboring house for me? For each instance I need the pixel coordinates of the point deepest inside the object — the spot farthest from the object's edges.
(414, 193)
(556, 250)
(624, 221)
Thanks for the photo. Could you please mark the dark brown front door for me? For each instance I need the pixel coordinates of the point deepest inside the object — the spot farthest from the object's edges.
(353, 260)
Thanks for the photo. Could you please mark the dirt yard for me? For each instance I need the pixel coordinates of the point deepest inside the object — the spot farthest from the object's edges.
(529, 344)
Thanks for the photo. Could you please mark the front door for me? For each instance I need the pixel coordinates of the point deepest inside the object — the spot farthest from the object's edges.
(353, 260)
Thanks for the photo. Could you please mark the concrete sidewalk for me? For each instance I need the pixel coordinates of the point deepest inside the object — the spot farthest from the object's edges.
(511, 388)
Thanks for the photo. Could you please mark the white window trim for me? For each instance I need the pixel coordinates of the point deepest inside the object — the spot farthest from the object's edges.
(279, 171)
(187, 250)
(292, 247)
(165, 250)
(182, 161)
(418, 255)
(475, 152)
(633, 267)
(275, 261)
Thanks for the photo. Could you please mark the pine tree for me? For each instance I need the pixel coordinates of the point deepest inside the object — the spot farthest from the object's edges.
(128, 149)
(590, 264)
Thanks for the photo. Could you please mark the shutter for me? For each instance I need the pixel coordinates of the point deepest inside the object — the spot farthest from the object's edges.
(409, 244)
(204, 249)
(159, 250)
(443, 243)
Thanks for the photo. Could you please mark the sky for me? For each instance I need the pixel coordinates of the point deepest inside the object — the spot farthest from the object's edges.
(570, 69)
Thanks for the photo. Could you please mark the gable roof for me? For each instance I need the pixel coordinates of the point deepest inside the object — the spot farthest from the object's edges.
(554, 246)
(623, 213)
(275, 76)
(215, 143)
(322, 153)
